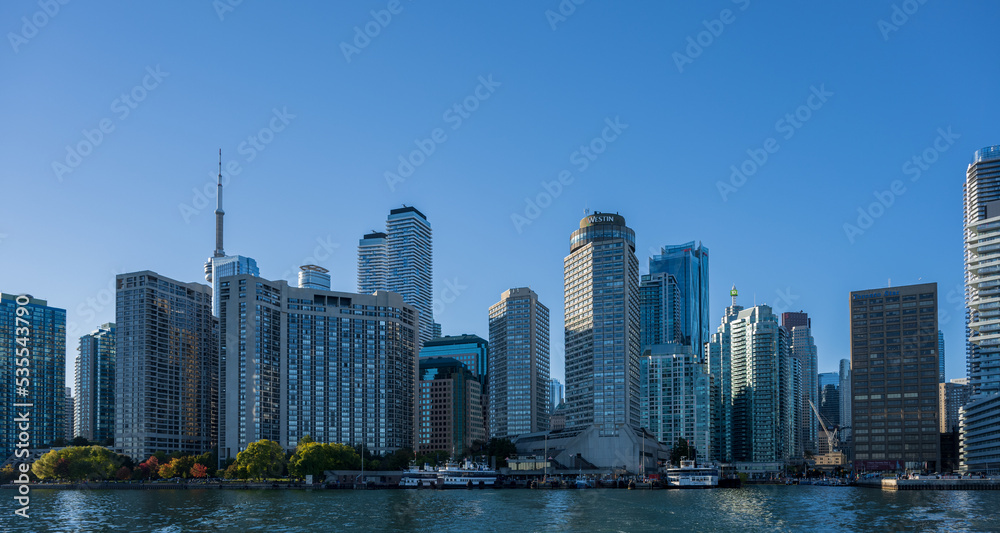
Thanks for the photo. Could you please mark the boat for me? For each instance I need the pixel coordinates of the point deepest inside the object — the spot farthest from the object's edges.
(418, 478)
(691, 476)
(466, 475)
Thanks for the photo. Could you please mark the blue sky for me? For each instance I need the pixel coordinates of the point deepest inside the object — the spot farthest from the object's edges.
(839, 98)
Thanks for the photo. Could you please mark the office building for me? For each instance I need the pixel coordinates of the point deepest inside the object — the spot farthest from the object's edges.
(601, 294)
(95, 385)
(518, 364)
(941, 376)
(845, 393)
(295, 361)
(894, 378)
(674, 395)
(980, 439)
(952, 396)
(220, 264)
(45, 340)
(166, 366)
(718, 356)
(765, 399)
(555, 394)
(470, 350)
(829, 399)
(803, 348)
(450, 410)
(687, 264)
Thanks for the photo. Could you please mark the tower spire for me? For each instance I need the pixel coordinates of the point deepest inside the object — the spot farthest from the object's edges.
(219, 213)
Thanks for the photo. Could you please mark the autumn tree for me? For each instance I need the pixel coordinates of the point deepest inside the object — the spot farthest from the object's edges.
(198, 471)
(77, 463)
(124, 473)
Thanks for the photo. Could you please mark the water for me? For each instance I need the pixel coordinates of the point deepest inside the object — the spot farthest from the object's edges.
(762, 508)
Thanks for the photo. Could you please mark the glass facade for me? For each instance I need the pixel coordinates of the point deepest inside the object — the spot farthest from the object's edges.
(674, 397)
(518, 365)
(95, 385)
(449, 407)
(688, 265)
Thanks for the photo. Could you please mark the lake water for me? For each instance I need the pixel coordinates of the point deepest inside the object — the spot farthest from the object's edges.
(759, 508)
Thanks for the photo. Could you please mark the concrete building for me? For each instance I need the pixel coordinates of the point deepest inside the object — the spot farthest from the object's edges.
(28, 322)
(718, 357)
(894, 378)
(980, 422)
(674, 395)
(601, 294)
(519, 364)
(591, 451)
(95, 385)
(449, 408)
(952, 396)
(765, 400)
(803, 348)
(166, 366)
(339, 367)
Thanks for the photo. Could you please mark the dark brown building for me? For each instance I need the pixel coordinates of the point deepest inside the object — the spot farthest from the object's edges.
(894, 378)
(449, 407)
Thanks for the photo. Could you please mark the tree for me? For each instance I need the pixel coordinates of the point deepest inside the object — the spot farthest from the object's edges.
(124, 473)
(262, 459)
(168, 470)
(682, 450)
(501, 449)
(399, 459)
(313, 458)
(199, 471)
(77, 463)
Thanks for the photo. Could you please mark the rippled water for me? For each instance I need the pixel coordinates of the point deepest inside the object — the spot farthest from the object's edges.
(769, 508)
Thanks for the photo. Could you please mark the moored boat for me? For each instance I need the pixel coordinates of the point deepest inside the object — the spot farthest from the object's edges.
(691, 476)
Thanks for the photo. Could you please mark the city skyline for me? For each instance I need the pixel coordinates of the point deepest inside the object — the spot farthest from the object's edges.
(518, 129)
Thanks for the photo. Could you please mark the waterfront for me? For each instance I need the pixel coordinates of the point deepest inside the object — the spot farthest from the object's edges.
(756, 508)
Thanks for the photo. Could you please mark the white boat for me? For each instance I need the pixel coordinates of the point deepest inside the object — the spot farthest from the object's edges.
(465, 475)
(691, 476)
(416, 477)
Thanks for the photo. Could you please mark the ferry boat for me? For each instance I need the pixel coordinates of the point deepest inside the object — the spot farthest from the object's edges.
(417, 478)
(467, 474)
(691, 476)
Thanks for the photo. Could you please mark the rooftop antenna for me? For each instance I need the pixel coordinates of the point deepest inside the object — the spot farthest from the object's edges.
(734, 293)
(219, 213)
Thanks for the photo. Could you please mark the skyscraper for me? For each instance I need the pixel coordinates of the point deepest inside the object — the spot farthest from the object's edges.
(941, 378)
(220, 264)
(803, 348)
(953, 395)
(688, 265)
(555, 394)
(400, 260)
(894, 378)
(845, 400)
(674, 396)
(602, 325)
(32, 336)
(166, 366)
(473, 352)
(661, 311)
(518, 364)
(450, 412)
(95, 385)
(295, 361)
(69, 419)
(718, 355)
(765, 398)
(829, 399)
(979, 435)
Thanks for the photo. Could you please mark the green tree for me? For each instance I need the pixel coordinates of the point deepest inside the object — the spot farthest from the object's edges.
(682, 450)
(262, 459)
(79, 441)
(501, 449)
(399, 459)
(168, 470)
(77, 463)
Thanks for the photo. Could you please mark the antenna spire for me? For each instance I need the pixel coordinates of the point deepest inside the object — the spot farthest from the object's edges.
(219, 213)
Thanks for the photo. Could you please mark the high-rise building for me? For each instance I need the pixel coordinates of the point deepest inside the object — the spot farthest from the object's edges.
(314, 277)
(661, 310)
(802, 347)
(95, 385)
(295, 361)
(470, 350)
(688, 265)
(952, 396)
(32, 336)
(518, 364)
(980, 432)
(69, 417)
(166, 366)
(674, 396)
(718, 356)
(845, 393)
(894, 378)
(555, 394)
(450, 410)
(765, 398)
(220, 264)
(602, 325)
(373, 263)
(409, 265)
(941, 377)
(829, 399)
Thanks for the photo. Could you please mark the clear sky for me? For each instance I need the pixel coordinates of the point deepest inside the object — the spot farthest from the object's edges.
(647, 105)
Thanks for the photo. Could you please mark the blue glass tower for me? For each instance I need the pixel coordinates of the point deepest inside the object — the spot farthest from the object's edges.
(688, 265)
(95, 385)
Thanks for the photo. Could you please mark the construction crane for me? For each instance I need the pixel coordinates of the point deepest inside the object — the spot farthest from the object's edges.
(831, 438)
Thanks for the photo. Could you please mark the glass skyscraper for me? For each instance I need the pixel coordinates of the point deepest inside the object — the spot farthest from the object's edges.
(518, 364)
(802, 347)
(95, 385)
(674, 397)
(718, 355)
(688, 265)
(42, 330)
(601, 293)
